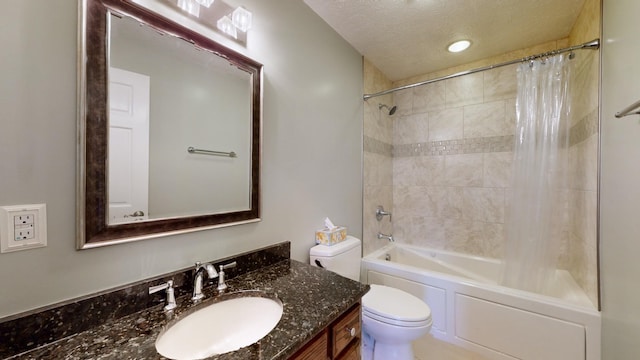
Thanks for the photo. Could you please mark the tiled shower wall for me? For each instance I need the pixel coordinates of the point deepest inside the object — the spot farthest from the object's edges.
(581, 255)
(442, 165)
(378, 178)
(453, 144)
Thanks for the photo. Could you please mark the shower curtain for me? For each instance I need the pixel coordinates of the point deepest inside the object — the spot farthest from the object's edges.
(537, 207)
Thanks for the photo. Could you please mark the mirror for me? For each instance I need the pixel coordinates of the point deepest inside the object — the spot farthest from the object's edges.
(169, 128)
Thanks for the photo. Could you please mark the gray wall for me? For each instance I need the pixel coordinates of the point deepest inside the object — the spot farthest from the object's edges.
(620, 178)
(311, 152)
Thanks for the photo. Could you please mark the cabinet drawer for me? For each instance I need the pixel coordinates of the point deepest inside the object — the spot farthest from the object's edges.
(345, 330)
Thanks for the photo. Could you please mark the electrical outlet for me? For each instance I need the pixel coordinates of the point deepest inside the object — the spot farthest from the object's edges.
(23, 227)
(24, 232)
(24, 219)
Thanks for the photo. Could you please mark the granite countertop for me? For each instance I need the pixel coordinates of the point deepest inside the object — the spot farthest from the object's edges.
(312, 298)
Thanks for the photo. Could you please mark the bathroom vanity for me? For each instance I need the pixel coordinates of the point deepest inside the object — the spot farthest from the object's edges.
(320, 320)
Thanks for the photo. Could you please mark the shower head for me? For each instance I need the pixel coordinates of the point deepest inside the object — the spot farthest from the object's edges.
(392, 110)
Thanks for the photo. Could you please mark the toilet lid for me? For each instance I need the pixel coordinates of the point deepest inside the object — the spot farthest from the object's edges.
(394, 306)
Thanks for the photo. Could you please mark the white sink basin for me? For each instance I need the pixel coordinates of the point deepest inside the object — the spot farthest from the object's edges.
(220, 327)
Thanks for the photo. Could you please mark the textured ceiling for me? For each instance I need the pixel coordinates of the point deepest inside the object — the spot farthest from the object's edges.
(404, 38)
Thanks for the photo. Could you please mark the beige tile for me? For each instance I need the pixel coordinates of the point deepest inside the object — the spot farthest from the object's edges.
(405, 171)
(446, 124)
(484, 204)
(510, 115)
(591, 222)
(497, 169)
(464, 236)
(418, 170)
(408, 201)
(500, 83)
(463, 170)
(403, 99)
(377, 169)
(377, 124)
(464, 90)
(484, 120)
(584, 84)
(442, 202)
(429, 97)
(411, 129)
(584, 216)
(588, 160)
(583, 164)
(452, 203)
(493, 243)
(421, 231)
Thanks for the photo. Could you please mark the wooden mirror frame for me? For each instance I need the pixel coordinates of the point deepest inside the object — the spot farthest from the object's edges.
(92, 197)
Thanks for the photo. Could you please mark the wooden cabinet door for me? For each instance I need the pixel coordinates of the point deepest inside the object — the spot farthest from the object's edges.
(316, 349)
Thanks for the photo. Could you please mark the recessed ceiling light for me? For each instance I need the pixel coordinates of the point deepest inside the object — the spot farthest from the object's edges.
(459, 46)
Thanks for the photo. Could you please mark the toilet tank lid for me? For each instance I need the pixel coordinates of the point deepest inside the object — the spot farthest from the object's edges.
(328, 251)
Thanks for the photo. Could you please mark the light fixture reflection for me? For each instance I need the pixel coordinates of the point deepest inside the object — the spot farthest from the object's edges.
(226, 26)
(241, 19)
(459, 46)
(206, 3)
(190, 6)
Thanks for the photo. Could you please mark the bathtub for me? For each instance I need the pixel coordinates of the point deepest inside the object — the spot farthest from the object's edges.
(469, 308)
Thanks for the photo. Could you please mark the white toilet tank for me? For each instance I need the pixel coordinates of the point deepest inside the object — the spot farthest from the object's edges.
(342, 258)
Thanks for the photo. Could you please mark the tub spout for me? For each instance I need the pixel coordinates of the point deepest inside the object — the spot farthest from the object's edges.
(384, 236)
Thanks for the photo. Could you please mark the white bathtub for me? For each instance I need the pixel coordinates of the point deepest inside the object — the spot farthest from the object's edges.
(470, 310)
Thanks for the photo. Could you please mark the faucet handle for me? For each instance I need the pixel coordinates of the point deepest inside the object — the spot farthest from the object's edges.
(221, 284)
(228, 266)
(171, 298)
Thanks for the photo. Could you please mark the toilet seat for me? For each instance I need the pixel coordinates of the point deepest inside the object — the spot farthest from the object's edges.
(395, 307)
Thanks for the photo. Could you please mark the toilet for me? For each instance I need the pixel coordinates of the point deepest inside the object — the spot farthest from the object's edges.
(391, 318)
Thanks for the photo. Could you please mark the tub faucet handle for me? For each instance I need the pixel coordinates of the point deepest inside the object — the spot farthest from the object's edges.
(380, 213)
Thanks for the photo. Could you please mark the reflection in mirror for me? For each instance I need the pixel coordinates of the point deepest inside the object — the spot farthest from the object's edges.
(165, 95)
(198, 101)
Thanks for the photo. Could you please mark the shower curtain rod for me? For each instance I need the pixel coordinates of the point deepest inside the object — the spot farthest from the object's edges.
(592, 45)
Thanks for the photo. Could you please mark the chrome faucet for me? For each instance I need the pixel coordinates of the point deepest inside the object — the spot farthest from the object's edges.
(171, 299)
(221, 284)
(384, 236)
(197, 280)
(380, 213)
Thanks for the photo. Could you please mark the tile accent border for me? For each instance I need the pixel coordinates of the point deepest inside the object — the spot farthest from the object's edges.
(459, 146)
(581, 131)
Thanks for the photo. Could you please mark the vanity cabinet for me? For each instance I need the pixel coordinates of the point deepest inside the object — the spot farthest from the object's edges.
(339, 341)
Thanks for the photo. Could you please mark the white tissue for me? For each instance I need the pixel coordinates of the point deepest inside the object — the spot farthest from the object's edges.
(329, 225)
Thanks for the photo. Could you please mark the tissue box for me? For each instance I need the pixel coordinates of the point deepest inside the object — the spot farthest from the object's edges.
(331, 236)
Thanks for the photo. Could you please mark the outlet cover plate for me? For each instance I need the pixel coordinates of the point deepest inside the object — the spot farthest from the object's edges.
(16, 234)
